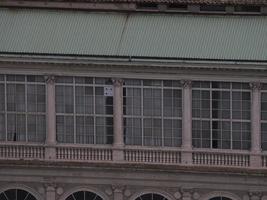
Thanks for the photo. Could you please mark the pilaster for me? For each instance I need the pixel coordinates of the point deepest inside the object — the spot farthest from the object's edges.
(118, 142)
(187, 122)
(255, 158)
(50, 191)
(118, 192)
(51, 118)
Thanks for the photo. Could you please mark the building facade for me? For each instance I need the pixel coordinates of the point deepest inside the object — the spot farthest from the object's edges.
(133, 100)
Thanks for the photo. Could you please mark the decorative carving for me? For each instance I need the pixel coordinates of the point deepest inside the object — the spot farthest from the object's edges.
(50, 79)
(196, 195)
(255, 85)
(186, 83)
(117, 82)
(177, 195)
(255, 195)
(118, 188)
(127, 193)
(108, 191)
(60, 190)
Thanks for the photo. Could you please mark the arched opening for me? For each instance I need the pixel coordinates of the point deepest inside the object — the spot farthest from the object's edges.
(151, 196)
(16, 194)
(83, 195)
(220, 198)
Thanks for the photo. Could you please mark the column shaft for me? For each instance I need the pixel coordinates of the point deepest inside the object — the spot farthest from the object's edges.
(187, 116)
(187, 123)
(255, 158)
(51, 118)
(118, 142)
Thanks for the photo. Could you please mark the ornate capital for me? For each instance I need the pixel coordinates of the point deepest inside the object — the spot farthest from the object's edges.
(186, 83)
(255, 85)
(50, 79)
(117, 82)
(118, 188)
(254, 195)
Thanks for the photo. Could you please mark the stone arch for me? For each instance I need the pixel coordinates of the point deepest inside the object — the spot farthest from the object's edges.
(220, 194)
(66, 194)
(154, 191)
(28, 189)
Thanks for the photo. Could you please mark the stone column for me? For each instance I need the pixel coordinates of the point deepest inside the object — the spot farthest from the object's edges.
(118, 192)
(50, 192)
(51, 118)
(118, 142)
(187, 122)
(255, 158)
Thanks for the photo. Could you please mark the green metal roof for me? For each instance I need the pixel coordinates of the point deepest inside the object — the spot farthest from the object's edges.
(136, 34)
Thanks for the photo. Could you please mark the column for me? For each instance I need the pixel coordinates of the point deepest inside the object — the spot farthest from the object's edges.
(51, 118)
(255, 158)
(187, 122)
(118, 143)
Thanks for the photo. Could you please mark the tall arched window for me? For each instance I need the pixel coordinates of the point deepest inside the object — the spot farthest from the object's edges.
(16, 194)
(151, 196)
(83, 195)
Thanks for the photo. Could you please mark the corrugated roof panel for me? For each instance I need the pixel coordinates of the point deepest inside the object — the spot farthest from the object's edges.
(62, 32)
(211, 37)
(136, 34)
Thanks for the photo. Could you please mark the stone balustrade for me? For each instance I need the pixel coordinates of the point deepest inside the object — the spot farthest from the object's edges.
(152, 155)
(22, 151)
(131, 154)
(232, 159)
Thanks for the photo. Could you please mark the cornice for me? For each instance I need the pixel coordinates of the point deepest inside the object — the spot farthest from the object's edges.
(142, 63)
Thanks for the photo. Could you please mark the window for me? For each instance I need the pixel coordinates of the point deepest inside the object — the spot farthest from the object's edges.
(22, 108)
(220, 198)
(221, 115)
(152, 112)
(84, 195)
(84, 109)
(16, 194)
(151, 196)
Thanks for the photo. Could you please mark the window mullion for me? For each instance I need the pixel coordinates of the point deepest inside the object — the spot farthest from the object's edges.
(26, 110)
(74, 111)
(5, 107)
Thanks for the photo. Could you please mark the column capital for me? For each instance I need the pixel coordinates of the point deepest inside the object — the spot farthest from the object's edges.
(255, 85)
(117, 82)
(118, 188)
(186, 83)
(50, 79)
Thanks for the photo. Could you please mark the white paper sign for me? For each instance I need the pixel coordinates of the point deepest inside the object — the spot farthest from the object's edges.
(108, 91)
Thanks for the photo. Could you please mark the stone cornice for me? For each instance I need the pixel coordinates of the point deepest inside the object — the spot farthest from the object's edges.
(151, 63)
(133, 167)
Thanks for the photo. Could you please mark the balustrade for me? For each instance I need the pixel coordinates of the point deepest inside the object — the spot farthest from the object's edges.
(141, 155)
(21, 151)
(221, 159)
(72, 153)
(131, 154)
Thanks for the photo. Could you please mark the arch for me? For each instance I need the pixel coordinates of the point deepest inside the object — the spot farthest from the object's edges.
(220, 194)
(87, 189)
(156, 191)
(35, 194)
